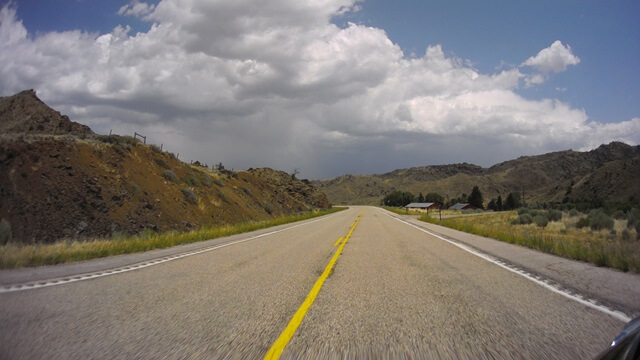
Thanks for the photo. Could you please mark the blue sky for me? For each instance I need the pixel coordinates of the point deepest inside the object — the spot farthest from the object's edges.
(396, 84)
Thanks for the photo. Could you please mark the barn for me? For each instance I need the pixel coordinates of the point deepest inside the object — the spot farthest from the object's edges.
(462, 206)
(423, 206)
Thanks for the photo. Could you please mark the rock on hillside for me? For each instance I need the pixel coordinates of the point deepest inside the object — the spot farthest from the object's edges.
(25, 113)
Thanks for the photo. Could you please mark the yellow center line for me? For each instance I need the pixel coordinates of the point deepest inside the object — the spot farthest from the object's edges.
(338, 241)
(278, 346)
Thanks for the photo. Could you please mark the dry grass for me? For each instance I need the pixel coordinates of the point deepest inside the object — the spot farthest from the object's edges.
(602, 248)
(17, 256)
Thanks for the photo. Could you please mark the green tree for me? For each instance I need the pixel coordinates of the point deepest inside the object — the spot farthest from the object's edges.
(475, 199)
(398, 198)
(513, 201)
(420, 198)
(499, 206)
(492, 205)
(434, 198)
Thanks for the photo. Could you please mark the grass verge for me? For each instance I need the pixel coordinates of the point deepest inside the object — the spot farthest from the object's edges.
(602, 248)
(17, 256)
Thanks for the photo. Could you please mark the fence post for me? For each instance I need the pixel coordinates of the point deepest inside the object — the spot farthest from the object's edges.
(144, 138)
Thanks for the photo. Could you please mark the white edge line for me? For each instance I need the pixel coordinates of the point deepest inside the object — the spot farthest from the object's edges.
(126, 268)
(580, 299)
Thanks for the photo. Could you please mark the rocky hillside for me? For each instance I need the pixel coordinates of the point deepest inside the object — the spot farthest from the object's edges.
(608, 173)
(302, 190)
(24, 113)
(54, 187)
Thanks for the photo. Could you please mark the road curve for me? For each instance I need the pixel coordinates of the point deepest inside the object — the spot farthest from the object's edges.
(393, 291)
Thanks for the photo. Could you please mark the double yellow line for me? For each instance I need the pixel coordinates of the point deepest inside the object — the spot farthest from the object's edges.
(278, 346)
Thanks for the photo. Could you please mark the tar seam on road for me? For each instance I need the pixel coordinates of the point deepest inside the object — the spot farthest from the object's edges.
(337, 241)
(278, 346)
(580, 299)
(87, 276)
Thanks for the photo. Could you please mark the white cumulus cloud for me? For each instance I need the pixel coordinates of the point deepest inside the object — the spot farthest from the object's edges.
(555, 58)
(137, 9)
(276, 83)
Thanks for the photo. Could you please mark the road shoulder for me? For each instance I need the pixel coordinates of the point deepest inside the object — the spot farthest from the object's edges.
(614, 288)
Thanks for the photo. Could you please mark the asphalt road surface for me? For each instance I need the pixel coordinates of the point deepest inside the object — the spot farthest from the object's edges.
(389, 291)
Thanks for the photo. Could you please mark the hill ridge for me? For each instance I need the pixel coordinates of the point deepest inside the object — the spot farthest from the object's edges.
(545, 178)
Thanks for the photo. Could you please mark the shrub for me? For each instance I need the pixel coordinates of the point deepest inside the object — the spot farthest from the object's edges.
(573, 213)
(523, 219)
(223, 197)
(626, 235)
(170, 175)
(5, 232)
(121, 149)
(218, 182)
(633, 219)
(245, 190)
(541, 220)
(129, 140)
(117, 139)
(132, 188)
(598, 220)
(554, 215)
(191, 180)
(162, 163)
(189, 195)
(205, 180)
(535, 212)
(269, 208)
(155, 148)
(582, 222)
(523, 210)
(110, 139)
(619, 214)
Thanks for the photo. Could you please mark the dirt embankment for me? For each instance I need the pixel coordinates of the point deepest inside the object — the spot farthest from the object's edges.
(67, 188)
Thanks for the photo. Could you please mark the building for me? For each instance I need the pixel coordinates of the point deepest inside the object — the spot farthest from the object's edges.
(461, 206)
(422, 206)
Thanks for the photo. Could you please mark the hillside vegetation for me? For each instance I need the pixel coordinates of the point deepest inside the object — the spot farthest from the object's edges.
(60, 180)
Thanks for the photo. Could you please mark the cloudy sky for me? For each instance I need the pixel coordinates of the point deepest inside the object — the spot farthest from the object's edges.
(334, 86)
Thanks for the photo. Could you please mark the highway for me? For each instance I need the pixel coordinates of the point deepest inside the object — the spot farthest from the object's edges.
(356, 284)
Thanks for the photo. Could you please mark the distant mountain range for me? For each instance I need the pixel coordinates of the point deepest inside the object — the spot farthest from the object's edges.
(609, 173)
